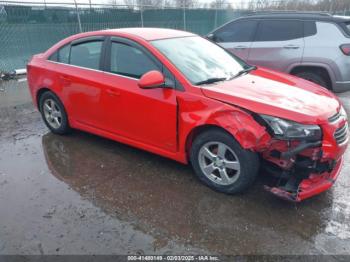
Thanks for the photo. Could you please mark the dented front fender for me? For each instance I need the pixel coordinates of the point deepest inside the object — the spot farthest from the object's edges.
(197, 113)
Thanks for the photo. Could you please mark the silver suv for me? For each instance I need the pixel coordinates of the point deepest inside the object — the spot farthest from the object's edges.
(313, 46)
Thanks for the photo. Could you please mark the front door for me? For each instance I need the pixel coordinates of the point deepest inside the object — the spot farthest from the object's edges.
(237, 37)
(144, 115)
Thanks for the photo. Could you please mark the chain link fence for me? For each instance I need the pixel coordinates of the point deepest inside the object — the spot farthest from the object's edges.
(27, 28)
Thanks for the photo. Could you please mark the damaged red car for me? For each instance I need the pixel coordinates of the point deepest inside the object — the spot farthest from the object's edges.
(181, 96)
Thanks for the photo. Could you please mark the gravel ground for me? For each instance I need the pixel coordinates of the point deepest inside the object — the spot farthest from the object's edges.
(82, 194)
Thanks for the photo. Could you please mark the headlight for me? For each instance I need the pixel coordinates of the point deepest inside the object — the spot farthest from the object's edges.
(286, 129)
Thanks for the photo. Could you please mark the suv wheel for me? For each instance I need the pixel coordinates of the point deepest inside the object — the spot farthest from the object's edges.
(53, 113)
(222, 164)
(313, 77)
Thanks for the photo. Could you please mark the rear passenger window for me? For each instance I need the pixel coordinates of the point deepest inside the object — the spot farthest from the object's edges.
(54, 57)
(279, 30)
(62, 55)
(86, 54)
(240, 31)
(130, 61)
(310, 28)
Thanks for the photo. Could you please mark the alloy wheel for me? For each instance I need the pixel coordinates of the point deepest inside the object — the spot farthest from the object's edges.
(52, 113)
(219, 163)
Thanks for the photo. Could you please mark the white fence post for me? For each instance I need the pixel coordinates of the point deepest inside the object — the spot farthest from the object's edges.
(184, 13)
(78, 16)
(141, 12)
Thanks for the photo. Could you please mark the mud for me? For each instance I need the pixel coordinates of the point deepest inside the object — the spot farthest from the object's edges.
(82, 194)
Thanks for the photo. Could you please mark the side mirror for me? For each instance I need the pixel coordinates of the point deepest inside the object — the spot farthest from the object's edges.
(151, 79)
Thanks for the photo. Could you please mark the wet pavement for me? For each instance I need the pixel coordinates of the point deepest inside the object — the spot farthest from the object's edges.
(82, 194)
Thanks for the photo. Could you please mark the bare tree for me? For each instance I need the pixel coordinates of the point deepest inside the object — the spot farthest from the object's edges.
(145, 3)
(220, 4)
(186, 3)
(333, 6)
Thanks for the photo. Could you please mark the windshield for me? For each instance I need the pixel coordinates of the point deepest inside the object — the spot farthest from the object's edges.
(199, 59)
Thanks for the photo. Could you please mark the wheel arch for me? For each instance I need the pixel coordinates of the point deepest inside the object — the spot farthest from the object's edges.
(39, 93)
(242, 127)
(325, 71)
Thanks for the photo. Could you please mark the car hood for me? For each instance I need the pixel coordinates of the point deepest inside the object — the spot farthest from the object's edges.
(268, 92)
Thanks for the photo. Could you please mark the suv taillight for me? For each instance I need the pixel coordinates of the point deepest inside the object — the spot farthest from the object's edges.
(345, 49)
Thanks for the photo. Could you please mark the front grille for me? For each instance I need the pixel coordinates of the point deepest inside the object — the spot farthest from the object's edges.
(341, 134)
(334, 118)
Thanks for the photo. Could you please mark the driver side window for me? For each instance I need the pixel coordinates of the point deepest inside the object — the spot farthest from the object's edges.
(130, 61)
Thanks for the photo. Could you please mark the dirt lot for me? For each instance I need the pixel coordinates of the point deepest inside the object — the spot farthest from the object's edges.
(81, 194)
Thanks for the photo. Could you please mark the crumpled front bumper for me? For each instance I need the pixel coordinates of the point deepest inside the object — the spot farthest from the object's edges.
(312, 186)
(323, 164)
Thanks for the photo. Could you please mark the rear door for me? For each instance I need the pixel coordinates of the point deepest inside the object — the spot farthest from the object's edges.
(278, 44)
(236, 37)
(79, 76)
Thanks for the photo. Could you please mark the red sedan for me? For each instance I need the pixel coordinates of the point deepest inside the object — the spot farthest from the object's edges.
(178, 95)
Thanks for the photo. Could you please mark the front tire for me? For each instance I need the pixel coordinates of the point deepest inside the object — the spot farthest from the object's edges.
(222, 164)
(53, 113)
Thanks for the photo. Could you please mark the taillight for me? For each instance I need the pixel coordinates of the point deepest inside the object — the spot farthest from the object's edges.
(345, 49)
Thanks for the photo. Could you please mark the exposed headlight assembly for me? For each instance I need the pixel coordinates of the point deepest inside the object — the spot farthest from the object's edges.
(289, 130)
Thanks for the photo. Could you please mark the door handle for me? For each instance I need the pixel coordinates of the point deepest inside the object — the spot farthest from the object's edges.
(113, 92)
(240, 47)
(291, 47)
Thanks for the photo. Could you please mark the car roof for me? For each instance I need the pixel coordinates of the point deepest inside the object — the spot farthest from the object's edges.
(149, 34)
(302, 16)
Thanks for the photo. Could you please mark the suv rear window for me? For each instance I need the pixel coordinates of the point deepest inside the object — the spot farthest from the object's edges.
(279, 30)
(310, 28)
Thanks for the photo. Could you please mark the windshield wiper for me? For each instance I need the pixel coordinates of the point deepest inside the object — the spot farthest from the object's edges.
(244, 71)
(211, 80)
(218, 79)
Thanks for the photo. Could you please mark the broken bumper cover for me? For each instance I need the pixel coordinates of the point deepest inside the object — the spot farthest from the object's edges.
(311, 186)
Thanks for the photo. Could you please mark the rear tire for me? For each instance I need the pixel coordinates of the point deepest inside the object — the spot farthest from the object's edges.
(222, 164)
(313, 77)
(54, 113)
